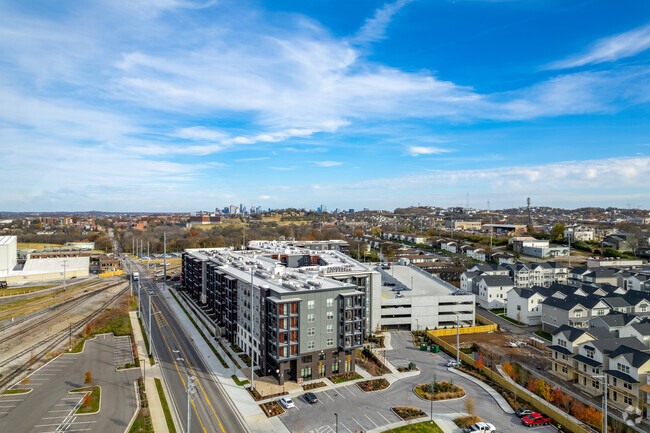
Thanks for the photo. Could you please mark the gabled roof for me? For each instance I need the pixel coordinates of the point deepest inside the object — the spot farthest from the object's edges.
(620, 375)
(588, 361)
(526, 293)
(616, 319)
(601, 273)
(569, 332)
(560, 349)
(642, 328)
(471, 274)
(496, 280)
(611, 344)
(562, 304)
(634, 357)
(579, 270)
(616, 301)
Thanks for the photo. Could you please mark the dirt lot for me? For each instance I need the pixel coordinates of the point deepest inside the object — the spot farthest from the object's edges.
(495, 349)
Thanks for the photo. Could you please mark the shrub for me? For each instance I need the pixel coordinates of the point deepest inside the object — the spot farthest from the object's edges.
(88, 377)
(373, 385)
(407, 413)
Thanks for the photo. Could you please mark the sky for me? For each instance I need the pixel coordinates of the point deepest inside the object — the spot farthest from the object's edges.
(187, 105)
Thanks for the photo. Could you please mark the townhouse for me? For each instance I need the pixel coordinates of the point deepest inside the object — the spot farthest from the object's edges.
(493, 291)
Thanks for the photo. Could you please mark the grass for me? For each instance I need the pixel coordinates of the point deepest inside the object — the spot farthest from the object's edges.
(498, 311)
(340, 378)
(146, 341)
(91, 406)
(119, 326)
(21, 290)
(516, 322)
(165, 407)
(545, 335)
(420, 427)
(214, 350)
(142, 423)
(16, 391)
(239, 382)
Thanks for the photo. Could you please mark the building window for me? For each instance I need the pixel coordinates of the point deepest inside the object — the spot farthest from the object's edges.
(590, 354)
(335, 367)
(330, 315)
(306, 359)
(330, 302)
(311, 345)
(561, 343)
(627, 400)
(305, 373)
(311, 332)
(311, 305)
(564, 370)
(311, 317)
(578, 313)
(624, 368)
(330, 329)
(330, 342)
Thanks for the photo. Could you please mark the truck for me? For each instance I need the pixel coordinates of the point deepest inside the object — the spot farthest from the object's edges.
(535, 419)
(136, 276)
(3, 284)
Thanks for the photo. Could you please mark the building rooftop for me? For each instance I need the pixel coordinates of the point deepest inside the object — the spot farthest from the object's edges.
(407, 277)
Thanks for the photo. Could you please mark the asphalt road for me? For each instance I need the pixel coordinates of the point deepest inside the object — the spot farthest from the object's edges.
(178, 358)
(359, 411)
(51, 408)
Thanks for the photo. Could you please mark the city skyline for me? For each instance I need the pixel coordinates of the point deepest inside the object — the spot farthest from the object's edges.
(182, 105)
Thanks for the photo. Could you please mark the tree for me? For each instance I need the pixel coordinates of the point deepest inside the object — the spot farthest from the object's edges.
(358, 232)
(557, 232)
(530, 386)
(375, 231)
(557, 395)
(578, 410)
(479, 364)
(593, 416)
(88, 377)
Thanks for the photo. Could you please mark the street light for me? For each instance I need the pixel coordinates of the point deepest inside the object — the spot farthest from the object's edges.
(603, 378)
(191, 385)
(337, 422)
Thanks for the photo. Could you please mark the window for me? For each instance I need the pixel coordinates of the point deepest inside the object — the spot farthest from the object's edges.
(518, 307)
(564, 370)
(330, 302)
(330, 329)
(600, 312)
(561, 343)
(311, 305)
(624, 368)
(311, 317)
(306, 359)
(335, 367)
(311, 332)
(330, 315)
(627, 400)
(311, 345)
(627, 385)
(330, 342)
(305, 373)
(578, 313)
(590, 354)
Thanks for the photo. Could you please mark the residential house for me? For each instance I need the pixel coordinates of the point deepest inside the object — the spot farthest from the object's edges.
(628, 371)
(566, 340)
(525, 305)
(613, 321)
(493, 290)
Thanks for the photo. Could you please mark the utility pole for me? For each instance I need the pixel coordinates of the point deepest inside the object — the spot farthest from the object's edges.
(70, 346)
(603, 378)
(150, 336)
(191, 384)
(148, 256)
(457, 340)
(568, 238)
(164, 259)
(64, 265)
(133, 245)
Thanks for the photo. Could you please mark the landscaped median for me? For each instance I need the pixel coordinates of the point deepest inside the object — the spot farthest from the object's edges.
(165, 407)
(408, 413)
(272, 408)
(373, 385)
(17, 391)
(420, 427)
(92, 400)
(344, 377)
(439, 391)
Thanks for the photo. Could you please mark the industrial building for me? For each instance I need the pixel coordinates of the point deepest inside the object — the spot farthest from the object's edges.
(37, 269)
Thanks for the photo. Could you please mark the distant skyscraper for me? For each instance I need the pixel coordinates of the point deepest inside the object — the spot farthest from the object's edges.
(351, 210)
(322, 208)
(233, 209)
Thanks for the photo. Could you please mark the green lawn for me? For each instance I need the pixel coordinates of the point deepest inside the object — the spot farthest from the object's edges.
(146, 341)
(16, 391)
(165, 406)
(420, 427)
(342, 378)
(545, 335)
(498, 311)
(142, 423)
(513, 321)
(119, 326)
(239, 382)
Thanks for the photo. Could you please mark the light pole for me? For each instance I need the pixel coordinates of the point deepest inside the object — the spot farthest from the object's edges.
(457, 340)
(252, 337)
(150, 337)
(603, 378)
(417, 325)
(431, 400)
(191, 384)
(337, 422)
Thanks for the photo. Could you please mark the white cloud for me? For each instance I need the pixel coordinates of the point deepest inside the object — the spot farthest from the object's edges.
(326, 163)
(426, 150)
(610, 49)
(374, 28)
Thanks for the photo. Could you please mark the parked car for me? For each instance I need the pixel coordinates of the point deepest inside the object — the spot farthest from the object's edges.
(287, 402)
(398, 295)
(451, 363)
(535, 419)
(523, 411)
(481, 427)
(388, 283)
(311, 398)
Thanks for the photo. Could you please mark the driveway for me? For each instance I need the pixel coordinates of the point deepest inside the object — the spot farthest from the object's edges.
(358, 410)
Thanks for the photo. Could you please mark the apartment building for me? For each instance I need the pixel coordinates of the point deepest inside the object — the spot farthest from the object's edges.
(292, 315)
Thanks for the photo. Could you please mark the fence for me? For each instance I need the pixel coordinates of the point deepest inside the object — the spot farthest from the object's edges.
(464, 330)
(111, 274)
(534, 401)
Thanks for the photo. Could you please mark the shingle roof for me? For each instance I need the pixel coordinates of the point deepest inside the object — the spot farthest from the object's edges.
(569, 332)
(496, 280)
(609, 345)
(636, 358)
(620, 375)
(616, 319)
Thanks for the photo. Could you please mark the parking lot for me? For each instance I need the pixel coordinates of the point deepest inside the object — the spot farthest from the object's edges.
(358, 410)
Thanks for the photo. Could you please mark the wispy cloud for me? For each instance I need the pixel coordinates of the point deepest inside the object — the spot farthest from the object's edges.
(326, 163)
(374, 29)
(262, 158)
(610, 49)
(426, 150)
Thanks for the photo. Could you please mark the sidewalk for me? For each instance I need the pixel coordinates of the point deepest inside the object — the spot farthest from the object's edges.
(155, 407)
(444, 421)
(503, 404)
(252, 415)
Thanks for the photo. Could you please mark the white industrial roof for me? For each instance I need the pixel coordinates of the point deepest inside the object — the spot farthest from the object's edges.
(7, 240)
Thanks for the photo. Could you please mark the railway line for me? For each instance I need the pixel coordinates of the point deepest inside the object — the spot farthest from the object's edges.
(39, 350)
(68, 304)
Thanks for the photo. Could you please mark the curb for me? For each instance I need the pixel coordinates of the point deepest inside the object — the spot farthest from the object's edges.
(435, 401)
(86, 392)
(138, 404)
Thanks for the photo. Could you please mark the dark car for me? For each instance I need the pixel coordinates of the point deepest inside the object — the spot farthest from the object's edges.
(388, 283)
(522, 411)
(311, 398)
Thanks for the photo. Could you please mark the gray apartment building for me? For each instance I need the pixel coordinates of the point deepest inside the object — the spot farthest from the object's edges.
(302, 312)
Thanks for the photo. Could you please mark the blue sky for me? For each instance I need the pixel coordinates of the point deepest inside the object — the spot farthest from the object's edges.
(179, 105)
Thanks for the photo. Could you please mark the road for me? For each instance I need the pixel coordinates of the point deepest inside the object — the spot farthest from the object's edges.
(179, 358)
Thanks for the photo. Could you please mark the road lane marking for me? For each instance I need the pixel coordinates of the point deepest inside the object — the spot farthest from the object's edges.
(362, 427)
(192, 369)
(328, 396)
(345, 427)
(371, 420)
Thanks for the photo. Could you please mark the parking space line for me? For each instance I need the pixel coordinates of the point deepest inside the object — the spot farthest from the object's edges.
(8, 407)
(52, 417)
(358, 423)
(350, 391)
(345, 427)
(328, 395)
(370, 420)
(2, 400)
(62, 410)
(379, 413)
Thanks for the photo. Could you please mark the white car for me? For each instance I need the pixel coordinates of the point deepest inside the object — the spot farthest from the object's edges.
(481, 427)
(287, 402)
(451, 363)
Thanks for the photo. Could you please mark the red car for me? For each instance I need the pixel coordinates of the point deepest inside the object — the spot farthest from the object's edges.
(535, 419)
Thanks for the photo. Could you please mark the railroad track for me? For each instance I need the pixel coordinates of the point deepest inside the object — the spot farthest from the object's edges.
(89, 292)
(54, 341)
